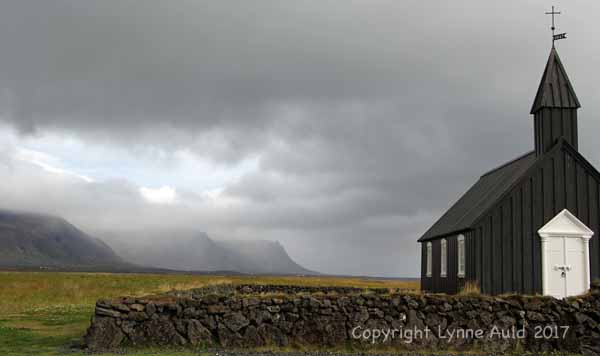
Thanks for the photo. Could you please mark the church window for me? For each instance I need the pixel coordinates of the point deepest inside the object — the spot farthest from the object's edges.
(444, 256)
(429, 259)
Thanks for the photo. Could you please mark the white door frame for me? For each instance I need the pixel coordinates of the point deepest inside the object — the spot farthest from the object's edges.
(564, 225)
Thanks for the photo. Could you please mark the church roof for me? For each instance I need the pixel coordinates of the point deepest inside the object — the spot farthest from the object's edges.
(481, 196)
(555, 90)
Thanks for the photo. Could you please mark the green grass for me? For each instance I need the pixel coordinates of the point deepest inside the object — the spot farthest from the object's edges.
(42, 313)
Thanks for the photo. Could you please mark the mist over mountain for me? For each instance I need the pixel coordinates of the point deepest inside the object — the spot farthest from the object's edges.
(186, 250)
(35, 240)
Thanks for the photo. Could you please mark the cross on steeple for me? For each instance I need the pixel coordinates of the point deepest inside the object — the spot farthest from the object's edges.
(560, 36)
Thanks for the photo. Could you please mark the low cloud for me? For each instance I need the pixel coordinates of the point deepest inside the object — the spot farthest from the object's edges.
(342, 129)
(162, 195)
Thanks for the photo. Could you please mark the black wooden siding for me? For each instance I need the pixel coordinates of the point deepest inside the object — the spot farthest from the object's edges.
(506, 237)
(550, 124)
(451, 283)
(503, 249)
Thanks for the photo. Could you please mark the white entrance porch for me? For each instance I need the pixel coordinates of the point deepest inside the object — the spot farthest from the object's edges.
(565, 256)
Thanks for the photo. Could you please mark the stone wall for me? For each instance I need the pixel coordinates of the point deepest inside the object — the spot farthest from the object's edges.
(281, 316)
(248, 289)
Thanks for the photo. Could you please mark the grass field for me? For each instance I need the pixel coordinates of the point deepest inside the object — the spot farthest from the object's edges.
(42, 313)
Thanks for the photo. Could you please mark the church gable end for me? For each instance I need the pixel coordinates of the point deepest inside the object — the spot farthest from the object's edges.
(506, 237)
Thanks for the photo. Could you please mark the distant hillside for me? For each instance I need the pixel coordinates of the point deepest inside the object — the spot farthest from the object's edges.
(33, 240)
(30, 240)
(196, 251)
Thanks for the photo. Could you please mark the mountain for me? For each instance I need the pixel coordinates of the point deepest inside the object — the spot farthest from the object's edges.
(261, 256)
(29, 240)
(196, 251)
(35, 240)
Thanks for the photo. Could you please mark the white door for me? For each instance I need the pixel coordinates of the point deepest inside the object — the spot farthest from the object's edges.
(575, 266)
(566, 261)
(565, 256)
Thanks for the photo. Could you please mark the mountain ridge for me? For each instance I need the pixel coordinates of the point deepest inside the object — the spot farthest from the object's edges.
(32, 239)
(188, 250)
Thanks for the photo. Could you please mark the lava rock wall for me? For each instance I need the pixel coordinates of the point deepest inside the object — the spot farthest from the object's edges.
(281, 316)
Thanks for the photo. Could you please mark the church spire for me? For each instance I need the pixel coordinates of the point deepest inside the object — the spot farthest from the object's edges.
(554, 108)
(555, 90)
(555, 105)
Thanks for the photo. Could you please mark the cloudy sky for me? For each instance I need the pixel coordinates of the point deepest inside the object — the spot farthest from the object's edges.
(341, 128)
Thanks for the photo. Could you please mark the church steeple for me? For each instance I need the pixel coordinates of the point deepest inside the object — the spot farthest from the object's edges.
(554, 107)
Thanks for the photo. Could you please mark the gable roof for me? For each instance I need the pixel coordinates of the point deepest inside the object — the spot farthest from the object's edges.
(565, 224)
(482, 195)
(555, 89)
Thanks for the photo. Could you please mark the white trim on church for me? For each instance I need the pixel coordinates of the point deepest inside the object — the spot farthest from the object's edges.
(565, 256)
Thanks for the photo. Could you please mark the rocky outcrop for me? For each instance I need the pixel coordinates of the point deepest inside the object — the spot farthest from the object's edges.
(253, 316)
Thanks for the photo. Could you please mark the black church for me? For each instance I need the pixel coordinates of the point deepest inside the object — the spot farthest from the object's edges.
(530, 225)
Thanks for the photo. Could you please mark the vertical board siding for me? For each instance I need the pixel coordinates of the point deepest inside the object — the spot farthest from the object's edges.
(552, 124)
(517, 240)
(581, 187)
(567, 117)
(489, 252)
(480, 250)
(497, 252)
(559, 183)
(503, 249)
(538, 221)
(435, 263)
(593, 224)
(557, 122)
(548, 189)
(596, 251)
(570, 181)
(573, 120)
(452, 270)
(451, 283)
(536, 134)
(546, 129)
(470, 260)
(507, 254)
(423, 266)
(507, 247)
(527, 237)
(471, 274)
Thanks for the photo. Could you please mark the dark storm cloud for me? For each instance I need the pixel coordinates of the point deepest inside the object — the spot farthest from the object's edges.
(115, 65)
(368, 117)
